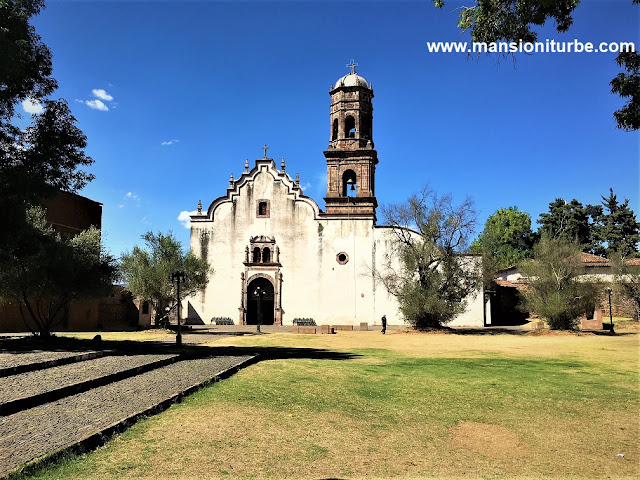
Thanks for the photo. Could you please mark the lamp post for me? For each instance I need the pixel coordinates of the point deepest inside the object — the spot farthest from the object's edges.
(609, 291)
(257, 294)
(177, 277)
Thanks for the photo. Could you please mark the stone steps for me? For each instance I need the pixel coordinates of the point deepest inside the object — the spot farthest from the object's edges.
(27, 390)
(13, 363)
(85, 420)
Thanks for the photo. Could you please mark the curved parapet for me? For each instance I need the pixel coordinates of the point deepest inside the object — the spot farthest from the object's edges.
(263, 165)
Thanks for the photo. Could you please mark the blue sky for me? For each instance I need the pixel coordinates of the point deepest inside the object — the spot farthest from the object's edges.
(191, 89)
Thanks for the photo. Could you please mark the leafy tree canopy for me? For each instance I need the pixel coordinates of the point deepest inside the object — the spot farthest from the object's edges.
(432, 281)
(627, 85)
(40, 270)
(146, 271)
(47, 272)
(615, 229)
(48, 155)
(513, 20)
(507, 238)
(554, 290)
(25, 63)
(567, 220)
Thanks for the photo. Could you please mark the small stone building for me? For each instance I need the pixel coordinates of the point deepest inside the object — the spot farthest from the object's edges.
(278, 256)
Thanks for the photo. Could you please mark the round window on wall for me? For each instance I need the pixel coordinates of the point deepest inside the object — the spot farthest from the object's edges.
(342, 258)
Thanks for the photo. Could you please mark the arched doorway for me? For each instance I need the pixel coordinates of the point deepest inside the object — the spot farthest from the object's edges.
(260, 302)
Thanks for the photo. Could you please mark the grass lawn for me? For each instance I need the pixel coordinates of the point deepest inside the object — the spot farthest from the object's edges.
(405, 405)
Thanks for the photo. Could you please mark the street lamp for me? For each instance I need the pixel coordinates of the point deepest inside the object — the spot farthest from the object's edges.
(609, 291)
(178, 277)
(257, 295)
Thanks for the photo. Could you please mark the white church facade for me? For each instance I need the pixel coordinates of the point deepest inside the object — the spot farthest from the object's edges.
(278, 256)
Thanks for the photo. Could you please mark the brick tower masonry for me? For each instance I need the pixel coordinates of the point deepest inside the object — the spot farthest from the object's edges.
(351, 158)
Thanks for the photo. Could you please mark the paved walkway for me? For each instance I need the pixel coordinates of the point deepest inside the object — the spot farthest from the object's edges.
(13, 362)
(31, 434)
(38, 382)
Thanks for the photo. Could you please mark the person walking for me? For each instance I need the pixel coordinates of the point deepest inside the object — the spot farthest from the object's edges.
(384, 324)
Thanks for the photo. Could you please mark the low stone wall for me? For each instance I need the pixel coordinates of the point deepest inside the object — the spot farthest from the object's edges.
(338, 328)
(305, 330)
(594, 323)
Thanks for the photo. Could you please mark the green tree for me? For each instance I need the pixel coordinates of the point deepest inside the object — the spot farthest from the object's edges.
(47, 272)
(567, 220)
(514, 20)
(615, 228)
(431, 281)
(146, 272)
(40, 271)
(555, 288)
(506, 240)
(627, 85)
(25, 63)
(48, 155)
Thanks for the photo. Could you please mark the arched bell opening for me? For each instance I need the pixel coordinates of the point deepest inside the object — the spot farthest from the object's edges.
(350, 127)
(349, 184)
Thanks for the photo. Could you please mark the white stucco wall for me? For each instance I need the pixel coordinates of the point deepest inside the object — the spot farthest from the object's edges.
(314, 283)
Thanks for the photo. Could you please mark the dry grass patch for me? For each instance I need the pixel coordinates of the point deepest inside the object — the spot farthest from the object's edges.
(490, 440)
(410, 406)
(615, 352)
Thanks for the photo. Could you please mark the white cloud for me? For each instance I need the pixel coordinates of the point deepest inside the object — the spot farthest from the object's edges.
(97, 105)
(32, 106)
(101, 94)
(185, 218)
(130, 197)
(169, 142)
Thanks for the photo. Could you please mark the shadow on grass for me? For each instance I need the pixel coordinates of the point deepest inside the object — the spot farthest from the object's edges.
(526, 332)
(131, 347)
(489, 331)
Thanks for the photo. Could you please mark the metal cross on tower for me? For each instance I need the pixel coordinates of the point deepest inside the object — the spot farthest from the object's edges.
(265, 148)
(353, 66)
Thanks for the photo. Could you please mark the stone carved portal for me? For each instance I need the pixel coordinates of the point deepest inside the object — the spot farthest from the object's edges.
(261, 270)
(260, 302)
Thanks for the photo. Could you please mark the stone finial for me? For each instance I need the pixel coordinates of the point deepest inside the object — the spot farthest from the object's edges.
(246, 165)
(297, 179)
(282, 165)
(231, 180)
(199, 206)
(246, 253)
(277, 259)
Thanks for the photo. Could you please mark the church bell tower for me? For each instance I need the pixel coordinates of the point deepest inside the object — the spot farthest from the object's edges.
(351, 158)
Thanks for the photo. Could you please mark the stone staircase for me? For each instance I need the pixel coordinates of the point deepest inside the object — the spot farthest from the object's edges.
(54, 402)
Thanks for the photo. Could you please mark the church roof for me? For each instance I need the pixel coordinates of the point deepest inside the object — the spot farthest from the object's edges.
(352, 80)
